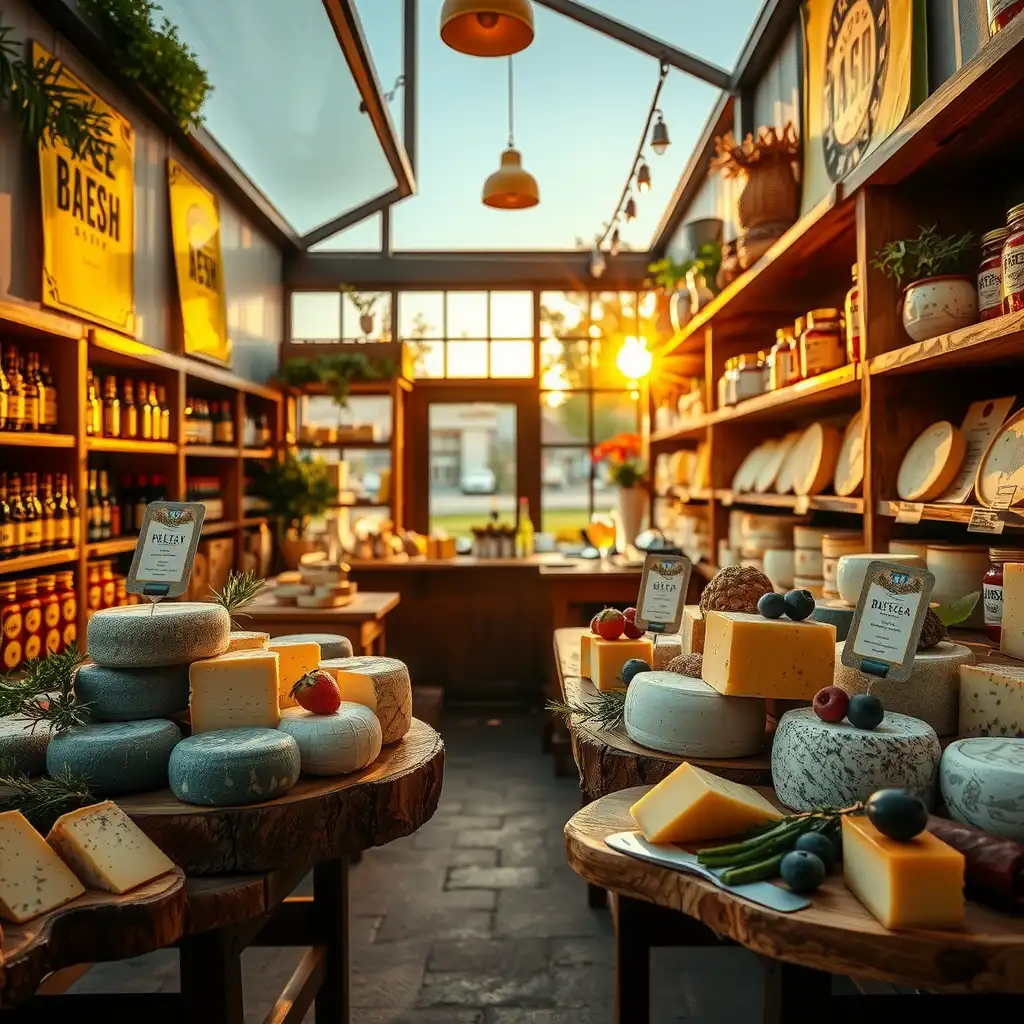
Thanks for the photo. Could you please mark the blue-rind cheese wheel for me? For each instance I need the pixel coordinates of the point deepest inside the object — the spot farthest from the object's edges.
(132, 694)
(116, 757)
(171, 633)
(228, 767)
(345, 741)
(332, 645)
(24, 745)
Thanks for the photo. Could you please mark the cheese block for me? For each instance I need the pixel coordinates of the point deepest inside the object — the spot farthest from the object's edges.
(679, 715)
(131, 694)
(1001, 465)
(247, 640)
(1011, 635)
(289, 577)
(691, 804)
(332, 645)
(850, 461)
(115, 757)
(666, 647)
(585, 642)
(234, 766)
(392, 690)
(836, 613)
(148, 636)
(234, 691)
(770, 468)
(692, 629)
(932, 693)
(346, 741)
(106, 849)
(813, 461)
(807, 562)
(826, 764)
(746, 655)
(982, 781)
(916, 883)
(33, 879)
(294, 661)
(24, 745)
(931, 462)
(607, 658)
(992, 700)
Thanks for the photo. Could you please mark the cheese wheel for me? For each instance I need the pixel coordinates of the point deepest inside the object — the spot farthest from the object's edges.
(132, 694)
(346, 741)
(931, 462)
(745, 477)
(150, 636)
(982, 782)
(1001, 465)
(24, 745)
(814, 459)
(392, 690)
(772, 465)
(850, 462)
(332, 645)
(840, 615)
(247, 640)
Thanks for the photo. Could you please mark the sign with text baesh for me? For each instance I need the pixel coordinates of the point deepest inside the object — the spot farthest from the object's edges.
(659, 606)
(166, 549)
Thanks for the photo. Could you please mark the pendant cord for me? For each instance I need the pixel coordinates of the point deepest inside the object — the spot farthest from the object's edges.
(511, 108)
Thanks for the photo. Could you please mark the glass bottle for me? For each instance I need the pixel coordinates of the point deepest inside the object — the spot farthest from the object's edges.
(74, 513)
(51, 613)
(783, 365)
(50, 407)
(141, 501)
(105, 520)
(94, 591)
(61, 514)
(822, 345)
(524, 530)
(11, 627)
(6, 522)
(155, 413)
(1012, 285)
(227, 423)
(188, 413)
(111, 408)
(854, 325)
(49, 507)
(33, 536)
(108, 584)
(93, 407)
(18, 513)
(32, 618)
(68, 608)
(16, 392)
(749, 377)
(33, 406)
(129, 412)
(990, 274)
(145, 412)
(5, 391)
(93, 511)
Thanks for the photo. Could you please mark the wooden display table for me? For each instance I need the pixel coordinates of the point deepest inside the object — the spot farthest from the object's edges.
(834, 935)
(242, 864)
(361, 620)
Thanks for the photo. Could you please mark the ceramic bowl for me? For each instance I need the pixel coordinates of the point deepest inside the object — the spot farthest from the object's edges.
(938, 305)
(778, 567)
(851, 569)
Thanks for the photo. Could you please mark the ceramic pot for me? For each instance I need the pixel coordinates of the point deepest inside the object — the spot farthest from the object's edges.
(958, 570)
(700, 232)
(851, 569)
(632, 504)
(680, 308)
(938, 305)
(779, 567)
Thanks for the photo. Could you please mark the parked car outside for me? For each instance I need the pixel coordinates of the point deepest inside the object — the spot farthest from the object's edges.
(478, 481)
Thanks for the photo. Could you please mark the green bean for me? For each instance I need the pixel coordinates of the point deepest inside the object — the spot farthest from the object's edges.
(725, 855)
(747, 844)
(781, 845)
(759, 872)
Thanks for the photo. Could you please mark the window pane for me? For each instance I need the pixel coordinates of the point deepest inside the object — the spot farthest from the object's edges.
(564, 418)
(564, 363)
(378, 325)
(511, 315)
(374, 410)
(565, 492)
(369, 474)
(563, 314)
(615, 414)
(604, 353)
(316, 316)
(467, 314)
(613, 313)
(511, 358)
(467, 358)
(428, 358)
(420, 315)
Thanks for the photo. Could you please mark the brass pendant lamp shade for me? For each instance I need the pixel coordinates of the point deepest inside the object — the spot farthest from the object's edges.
(510, 187)
(487, 28)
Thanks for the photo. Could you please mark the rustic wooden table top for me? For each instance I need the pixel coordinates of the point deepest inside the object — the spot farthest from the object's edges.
(608, 760)
(363, 607)
(836, 933)
(319, 819)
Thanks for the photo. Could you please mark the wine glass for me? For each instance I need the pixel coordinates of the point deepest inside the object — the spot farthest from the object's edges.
(601, 532)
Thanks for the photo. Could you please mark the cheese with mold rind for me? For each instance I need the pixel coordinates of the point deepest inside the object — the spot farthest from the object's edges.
(33, 879)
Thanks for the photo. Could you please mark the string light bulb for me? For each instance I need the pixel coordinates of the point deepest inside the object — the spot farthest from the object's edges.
(629, 210)
(643, 179)
(597, 263)
(659, 135)
(616, 244)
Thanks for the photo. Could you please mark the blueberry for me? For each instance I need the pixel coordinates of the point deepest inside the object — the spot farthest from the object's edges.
(865, 711)
(802, 870)
(632, 668)
(799, 604)
(820, 845)
(771, 605)
(897, 813)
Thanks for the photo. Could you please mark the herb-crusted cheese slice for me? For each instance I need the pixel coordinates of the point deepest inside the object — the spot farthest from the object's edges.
(106, 849)
(992, 699)
(389, 680)
(234, 691)
(33, 879)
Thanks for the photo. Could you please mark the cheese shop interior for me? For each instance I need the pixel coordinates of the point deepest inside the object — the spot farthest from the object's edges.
(446, 345)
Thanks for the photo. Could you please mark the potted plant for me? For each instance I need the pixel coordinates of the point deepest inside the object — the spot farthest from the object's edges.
(335, 372)
(297, 489)
(684, 302)
(626, 469)
(365, 305)
(942, 295)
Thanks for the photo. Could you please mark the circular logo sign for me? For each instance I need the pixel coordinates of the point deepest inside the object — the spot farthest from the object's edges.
(856, 61)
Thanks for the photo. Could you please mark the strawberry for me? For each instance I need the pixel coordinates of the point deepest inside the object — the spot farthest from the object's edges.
(593, 624)
(631, 629)
(317, 691)
(610, 624)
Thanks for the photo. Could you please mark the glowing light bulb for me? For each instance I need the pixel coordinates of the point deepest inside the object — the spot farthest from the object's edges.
(634, 359)
(487, 19)
(643, 179)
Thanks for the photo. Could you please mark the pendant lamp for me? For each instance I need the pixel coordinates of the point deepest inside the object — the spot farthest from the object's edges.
(487, 28)
(510, 187)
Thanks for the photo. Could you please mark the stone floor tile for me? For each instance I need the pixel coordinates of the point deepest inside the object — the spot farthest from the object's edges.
(475, 989)
(582, 987)
(493, 878)
(516, 956)
(445, 1016)
(517, 1015)
(529, 823)
(436, 924)
(480, 839)
(541, 913)
(577, 952)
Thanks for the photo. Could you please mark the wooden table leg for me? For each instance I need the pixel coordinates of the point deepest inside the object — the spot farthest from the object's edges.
(793, 993)
(632, 964)
(330, 917)
(211, 978)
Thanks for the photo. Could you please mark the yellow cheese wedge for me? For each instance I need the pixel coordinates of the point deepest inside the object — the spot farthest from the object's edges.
(746, 655)
(234, 691)
(355, 687)
(1011, 637)
(608, 656)
(692, 804)
(692, 629)
(585, 641)
(247, 640)
(33, 879)
(914, 884)
(295, 661)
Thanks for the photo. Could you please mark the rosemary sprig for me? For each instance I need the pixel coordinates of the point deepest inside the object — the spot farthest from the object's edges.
(604, 709)
(44, 799)
(45, 692)
(240, 589)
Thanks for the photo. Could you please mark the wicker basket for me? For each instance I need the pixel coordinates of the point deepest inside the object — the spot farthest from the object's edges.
(770, 195)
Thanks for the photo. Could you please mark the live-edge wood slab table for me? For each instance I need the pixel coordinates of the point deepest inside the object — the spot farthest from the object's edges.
(241, 865)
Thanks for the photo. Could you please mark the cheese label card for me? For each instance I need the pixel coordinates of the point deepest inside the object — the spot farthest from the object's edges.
(659, 608)
(166, 549)
(980, 425)
(888, 619)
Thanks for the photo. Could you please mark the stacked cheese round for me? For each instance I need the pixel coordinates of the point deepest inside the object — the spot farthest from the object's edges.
(833, 546)
(345, 741)
(132, 694)
(835, 613)
(825, 764)
(807, 558)
(332, 645)
(982, 783)
(23, 742)
(759, 532)
(148, 636)
(382, 684)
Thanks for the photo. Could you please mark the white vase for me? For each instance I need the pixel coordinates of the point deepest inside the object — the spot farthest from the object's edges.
(632, 504)
(679, 308)
(938, 305)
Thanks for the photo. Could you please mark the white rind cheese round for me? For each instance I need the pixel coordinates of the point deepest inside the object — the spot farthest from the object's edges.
(116, 757)
(666, 648)
(683, 716)
(332, 645)
(229, 767)
(931, 462)
(337, 744)
(838, 614)
(141, 636)
(392, 690)
(982, 782)
(132, 694)
(24, 745)
(824, 764)
(932, 693)
(812, 462)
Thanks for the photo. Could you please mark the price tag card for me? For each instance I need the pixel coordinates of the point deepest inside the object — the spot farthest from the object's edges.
(659, 607)
(1006, 495)
(909, 512)
(166, 549)
(888, 619)
(980, 425)
(985, 520)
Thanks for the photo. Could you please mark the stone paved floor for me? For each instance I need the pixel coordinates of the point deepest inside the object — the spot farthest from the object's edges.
(477, 919)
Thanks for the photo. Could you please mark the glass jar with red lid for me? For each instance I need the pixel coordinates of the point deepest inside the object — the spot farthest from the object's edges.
(1013, 261)
(32, 618)
(992, 588)
(1001, 13)
(990, 273)
(68, 609)
(823, 343)
(51, 614)
(11, 628)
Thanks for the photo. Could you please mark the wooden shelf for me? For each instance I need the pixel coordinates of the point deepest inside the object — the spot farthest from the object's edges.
(127, 446)
(685, 495)
(941, 513)
(817, 503)
(251, 521)
(257, 453)
(26, 439)
(333, 445)
(804, 397)
(35, 318)
(220, 526)
(114, 546)
(44, 560)
(212, 451)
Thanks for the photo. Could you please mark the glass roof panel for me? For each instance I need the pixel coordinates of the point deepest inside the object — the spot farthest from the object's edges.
(285, 105)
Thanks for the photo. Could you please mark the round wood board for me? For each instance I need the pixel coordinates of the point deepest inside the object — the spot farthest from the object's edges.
(835, 934)
(95, 927)
(318, 819)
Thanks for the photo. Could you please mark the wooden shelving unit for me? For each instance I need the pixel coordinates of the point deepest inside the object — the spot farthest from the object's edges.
(15, 438)
(126, 446)
(212, 451)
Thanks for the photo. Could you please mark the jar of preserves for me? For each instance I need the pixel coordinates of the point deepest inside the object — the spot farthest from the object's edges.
(822, 345)
(32, 618)
(11, 628)
(799, 326)
(108, 584)
(749, 376)
(732, 375)
(782, 364)
(94, 592)
(122, 591)
(1013, 261)
(51, 614)
(68, 609)
(1001, 13)
(854, 325)
(992, 589)
(990, 273)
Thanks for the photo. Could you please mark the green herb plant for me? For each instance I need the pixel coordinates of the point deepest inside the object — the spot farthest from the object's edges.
(669, 275)
(336, 372)
(45, 798)
(297, 488)
(603, 709)
(240, 589)
(364, 303)
(927, 255)
(44, 692)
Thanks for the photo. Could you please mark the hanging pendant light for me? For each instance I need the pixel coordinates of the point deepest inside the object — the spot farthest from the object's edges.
(510, 187)
(487, 28)
(643, 179)
(629, 210)
(659, 136)
(616, 244)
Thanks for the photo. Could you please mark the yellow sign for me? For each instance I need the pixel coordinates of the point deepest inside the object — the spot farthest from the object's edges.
(195, 229)
(89, 219)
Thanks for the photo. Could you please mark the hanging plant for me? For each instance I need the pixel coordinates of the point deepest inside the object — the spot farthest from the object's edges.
(336, 373)
(152, 55)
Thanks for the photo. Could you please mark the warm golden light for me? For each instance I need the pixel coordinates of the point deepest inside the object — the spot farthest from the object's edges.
(487, 28)
(510, 187)
(643, 179)
(634, 359)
